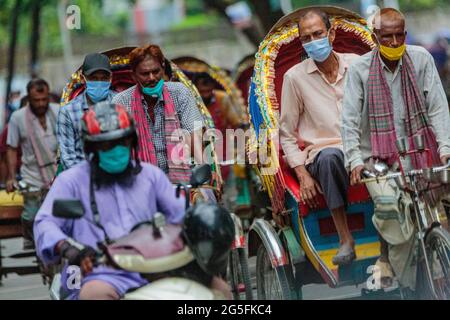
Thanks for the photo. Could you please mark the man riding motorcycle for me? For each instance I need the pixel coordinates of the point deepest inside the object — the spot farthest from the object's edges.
(116, 192)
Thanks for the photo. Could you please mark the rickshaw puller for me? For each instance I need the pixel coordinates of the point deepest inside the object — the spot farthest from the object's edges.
(33, 129)
(392, 92)
(161, 110)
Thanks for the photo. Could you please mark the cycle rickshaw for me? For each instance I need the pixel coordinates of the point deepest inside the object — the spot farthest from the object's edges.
(237, 193)
(296, 248)
(243, 73)
(122, 79)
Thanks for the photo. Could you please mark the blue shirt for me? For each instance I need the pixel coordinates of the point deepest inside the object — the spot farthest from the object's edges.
(68, 130)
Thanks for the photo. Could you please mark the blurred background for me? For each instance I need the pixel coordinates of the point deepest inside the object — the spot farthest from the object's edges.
(49, 38)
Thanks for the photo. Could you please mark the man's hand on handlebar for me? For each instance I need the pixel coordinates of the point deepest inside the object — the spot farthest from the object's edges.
(445, 159)
(84, 258)
(355, 176)
(11, 185)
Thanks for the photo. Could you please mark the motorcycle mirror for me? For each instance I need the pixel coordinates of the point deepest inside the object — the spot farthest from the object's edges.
(182, 186)
(200, 175)
(68, 209)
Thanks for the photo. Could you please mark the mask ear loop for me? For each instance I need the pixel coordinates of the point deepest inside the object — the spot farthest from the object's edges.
(378, 41)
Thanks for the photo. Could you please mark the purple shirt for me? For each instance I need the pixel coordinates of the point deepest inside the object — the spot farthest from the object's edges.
(120, 209)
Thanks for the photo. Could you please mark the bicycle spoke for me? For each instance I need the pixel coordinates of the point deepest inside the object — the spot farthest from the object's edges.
(271, 286)
(427, 265)
(438, 249)
(443, 284)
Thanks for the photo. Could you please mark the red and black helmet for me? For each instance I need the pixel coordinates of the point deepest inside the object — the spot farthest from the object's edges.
(106, 121)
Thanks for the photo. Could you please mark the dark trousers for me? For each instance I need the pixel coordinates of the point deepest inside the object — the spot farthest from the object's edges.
(328, 169)
(32, 203)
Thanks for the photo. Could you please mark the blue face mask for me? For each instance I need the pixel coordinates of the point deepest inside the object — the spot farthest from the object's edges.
(154, 92)
(14, 105)
(318, 50)
(97, 90)
(115, 160)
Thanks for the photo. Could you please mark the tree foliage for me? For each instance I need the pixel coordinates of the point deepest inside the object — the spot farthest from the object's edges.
(92, 22)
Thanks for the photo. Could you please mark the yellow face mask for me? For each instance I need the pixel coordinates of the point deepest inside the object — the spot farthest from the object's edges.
(393, 54)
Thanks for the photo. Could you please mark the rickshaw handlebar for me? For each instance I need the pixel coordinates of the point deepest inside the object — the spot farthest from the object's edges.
(371, 177)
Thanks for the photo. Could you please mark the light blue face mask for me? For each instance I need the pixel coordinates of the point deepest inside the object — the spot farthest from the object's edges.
(318, 50)
(156, 91)
(115, 160)
(15, 105)
(97, 90)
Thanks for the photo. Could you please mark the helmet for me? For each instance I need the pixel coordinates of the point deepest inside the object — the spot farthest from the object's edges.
(209, 231)
(106, 121)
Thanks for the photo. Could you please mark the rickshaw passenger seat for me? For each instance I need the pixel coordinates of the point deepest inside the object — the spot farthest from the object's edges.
(356, 194)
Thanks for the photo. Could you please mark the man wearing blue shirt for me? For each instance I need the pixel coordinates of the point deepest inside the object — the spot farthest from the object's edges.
(97, 75)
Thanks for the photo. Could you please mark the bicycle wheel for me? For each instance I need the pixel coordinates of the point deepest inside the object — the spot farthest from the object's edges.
(438, 250)
(239, 275)
(272, 283)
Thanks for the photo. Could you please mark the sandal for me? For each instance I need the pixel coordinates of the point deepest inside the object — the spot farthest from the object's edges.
(344, 256)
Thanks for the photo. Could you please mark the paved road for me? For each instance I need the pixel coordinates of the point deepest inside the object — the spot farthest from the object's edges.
(313, 291)
(30, 287)
(14, 287)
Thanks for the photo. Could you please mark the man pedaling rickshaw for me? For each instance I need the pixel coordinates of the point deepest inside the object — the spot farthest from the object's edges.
(161, 109)
(33, 129)
(394, 92)
(223, 100)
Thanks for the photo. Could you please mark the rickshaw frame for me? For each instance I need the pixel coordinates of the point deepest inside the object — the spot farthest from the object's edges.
(284, 245)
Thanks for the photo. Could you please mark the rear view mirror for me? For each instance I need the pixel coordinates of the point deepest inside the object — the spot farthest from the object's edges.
(200, 175)
(68, 209)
